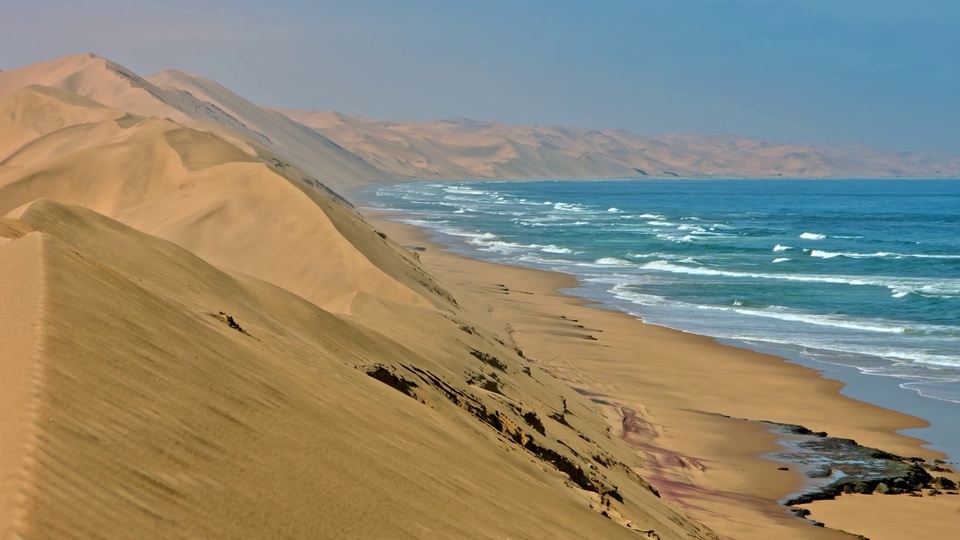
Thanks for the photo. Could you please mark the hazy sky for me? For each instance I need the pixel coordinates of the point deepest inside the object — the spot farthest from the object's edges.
(879, 72)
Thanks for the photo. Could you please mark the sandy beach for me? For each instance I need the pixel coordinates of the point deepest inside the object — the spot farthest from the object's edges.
(689, 406)
(203, 340)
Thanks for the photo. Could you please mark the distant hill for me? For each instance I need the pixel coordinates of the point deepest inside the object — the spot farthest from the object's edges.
(461, 148)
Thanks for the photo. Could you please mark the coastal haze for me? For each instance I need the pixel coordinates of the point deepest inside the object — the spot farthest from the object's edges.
(463, 148)
(205, 339)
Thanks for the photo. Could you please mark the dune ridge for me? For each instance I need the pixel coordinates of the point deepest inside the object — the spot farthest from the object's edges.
(156, 418)
(462, 148)
(256, 131)
(352, 395)
(198, 190)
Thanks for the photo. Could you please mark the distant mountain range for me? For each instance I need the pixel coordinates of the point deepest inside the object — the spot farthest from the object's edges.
(342, 151)
(461, 148)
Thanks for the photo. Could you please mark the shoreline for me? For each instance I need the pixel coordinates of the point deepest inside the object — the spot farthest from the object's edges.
(665, 407)
(880, 389)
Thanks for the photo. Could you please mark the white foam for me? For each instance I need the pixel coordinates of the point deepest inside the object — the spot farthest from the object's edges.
(943, 289)
(660, 223)
(878, 255)
(612, 261)
(555, 249)
(812, 236)
(503, 247)
(652, 256)
(651, 216)
(620, 291)
(895, 355)
(464, 190)
(665, 266)
(778, 247)
(819, 320)
(613, 209)
(780, 260)
(564, 207)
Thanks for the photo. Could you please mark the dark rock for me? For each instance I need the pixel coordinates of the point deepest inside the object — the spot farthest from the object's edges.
(880, 454)
(488, 359)
(800, 512)
(820, 472)
(230, 322)
(860, 487)
(798, 430)
(864, 469)
(391, 379)
(944, 483)
(783, 468)
(933, 492)
(482, 381)
(534, 421)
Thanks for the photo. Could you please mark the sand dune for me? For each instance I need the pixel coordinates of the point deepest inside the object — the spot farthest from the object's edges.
(350, 393)
(463, 148)
(141, 413)
(201, 192)
(196, 102)
(134, 410)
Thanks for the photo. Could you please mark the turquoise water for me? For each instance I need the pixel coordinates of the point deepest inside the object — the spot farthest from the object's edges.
(863, 273)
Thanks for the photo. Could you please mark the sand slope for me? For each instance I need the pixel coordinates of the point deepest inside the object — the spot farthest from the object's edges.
(141, 414)
(461, 148)
(195, 189)
(362, 399)
(251, 128)
(304, 147)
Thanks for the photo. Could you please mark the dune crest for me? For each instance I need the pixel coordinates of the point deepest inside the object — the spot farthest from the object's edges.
(246, 125)
(172, 371)
(196, 189)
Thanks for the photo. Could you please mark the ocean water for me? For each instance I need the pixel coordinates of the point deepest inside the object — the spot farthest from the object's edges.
(862, 273)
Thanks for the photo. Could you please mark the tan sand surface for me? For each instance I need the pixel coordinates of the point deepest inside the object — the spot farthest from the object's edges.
(136, 411)
(880, 517)
(193, 188)
(141, 414)
(198, 103)
(662, 391)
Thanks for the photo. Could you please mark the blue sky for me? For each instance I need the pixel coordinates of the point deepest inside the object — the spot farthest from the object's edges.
(877, 72)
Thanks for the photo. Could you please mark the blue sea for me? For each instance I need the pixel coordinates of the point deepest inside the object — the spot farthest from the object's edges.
(857, 273)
